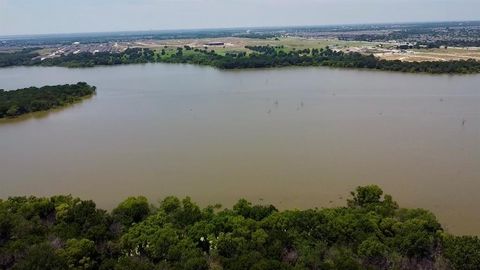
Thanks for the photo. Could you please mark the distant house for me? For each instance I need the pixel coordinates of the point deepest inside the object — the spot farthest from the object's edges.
(216, 43)
(405, 46)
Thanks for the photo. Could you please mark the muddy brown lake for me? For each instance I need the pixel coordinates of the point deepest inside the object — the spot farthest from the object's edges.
(293, 137)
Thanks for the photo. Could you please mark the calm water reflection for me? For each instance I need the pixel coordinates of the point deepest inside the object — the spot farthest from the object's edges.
(297, 138)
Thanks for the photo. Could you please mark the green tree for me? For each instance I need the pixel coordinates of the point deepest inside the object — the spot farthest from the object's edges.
(463, 252)
(133, 262)
(132, 210)
(79, 254)
(41, 257)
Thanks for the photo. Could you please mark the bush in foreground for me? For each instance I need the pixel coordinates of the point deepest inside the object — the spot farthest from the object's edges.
(371, 232)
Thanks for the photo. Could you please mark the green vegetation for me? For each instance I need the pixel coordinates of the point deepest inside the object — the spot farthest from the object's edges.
(17, 102)
(21, 58)
(267, 56)
(257, 57)
(371, 232)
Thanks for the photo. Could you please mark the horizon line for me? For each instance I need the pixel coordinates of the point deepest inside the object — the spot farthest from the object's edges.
(13, 36)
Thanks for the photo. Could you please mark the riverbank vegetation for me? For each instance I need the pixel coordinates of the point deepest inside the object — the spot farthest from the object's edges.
(25, 57)
(27, 100)
(370, 232)
(257, 57)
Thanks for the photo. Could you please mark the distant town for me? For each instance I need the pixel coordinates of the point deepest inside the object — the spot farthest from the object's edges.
(406, 42)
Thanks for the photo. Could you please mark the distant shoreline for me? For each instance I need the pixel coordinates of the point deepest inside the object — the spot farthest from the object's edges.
(260, 57)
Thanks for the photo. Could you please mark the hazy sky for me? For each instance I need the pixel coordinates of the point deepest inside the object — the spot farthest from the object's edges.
(68, 16)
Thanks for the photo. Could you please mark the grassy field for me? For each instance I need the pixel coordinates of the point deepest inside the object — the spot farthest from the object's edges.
(232, 44)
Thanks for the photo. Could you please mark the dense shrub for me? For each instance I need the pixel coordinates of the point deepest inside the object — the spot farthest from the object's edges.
(372, 232)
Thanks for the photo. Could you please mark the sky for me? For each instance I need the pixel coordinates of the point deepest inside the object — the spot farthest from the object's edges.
(20, 17)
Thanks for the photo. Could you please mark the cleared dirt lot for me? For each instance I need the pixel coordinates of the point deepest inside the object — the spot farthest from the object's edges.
(432, 54)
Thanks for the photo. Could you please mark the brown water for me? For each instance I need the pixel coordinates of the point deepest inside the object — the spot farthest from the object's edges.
(298, 138)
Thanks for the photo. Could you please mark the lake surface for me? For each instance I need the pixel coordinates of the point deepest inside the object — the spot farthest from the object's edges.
(296, 137)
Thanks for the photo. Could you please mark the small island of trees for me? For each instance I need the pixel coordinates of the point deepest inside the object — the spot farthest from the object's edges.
(27, 100)
(370, 232)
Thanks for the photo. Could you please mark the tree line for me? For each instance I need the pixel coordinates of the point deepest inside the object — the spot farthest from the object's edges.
(370, 232)
(258, 57)
(24, 57)
(27, 100)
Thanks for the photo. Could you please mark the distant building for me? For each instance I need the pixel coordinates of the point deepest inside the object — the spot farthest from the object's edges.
(216, 43)
(405, 46)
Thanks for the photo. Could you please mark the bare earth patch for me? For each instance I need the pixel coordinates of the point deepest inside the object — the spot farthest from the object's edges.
(431, 54)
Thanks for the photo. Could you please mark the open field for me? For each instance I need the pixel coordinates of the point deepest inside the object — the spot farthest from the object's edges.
(233, 44)
(386, 51)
